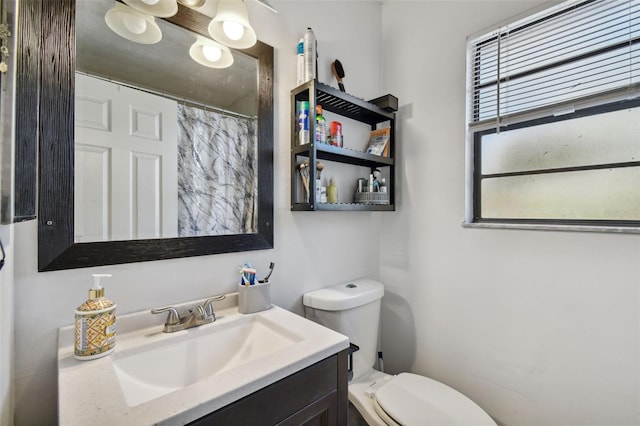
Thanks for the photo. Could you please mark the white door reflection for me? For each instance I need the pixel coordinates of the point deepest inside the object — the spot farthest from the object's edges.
(125, 163)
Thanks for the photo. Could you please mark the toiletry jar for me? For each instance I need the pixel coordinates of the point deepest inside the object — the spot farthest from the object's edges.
(254, 298)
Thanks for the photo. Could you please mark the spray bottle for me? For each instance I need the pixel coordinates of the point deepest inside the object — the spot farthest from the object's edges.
(310, 55)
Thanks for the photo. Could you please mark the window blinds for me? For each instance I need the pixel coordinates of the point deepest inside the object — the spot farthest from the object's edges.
(577, 53)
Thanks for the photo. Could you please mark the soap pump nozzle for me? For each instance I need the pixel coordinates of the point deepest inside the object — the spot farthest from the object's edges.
(97, 290)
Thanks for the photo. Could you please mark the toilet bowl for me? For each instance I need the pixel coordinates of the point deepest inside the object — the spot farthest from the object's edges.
(382, 399)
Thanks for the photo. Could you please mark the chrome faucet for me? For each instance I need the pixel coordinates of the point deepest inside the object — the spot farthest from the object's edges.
(201, 314)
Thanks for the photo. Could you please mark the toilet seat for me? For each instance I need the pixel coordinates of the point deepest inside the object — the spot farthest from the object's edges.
(409, 399)
(383, 415)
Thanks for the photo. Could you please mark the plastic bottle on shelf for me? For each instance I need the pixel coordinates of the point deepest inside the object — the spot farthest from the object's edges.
(383, 185)
(303, 122)
(336, 133)
(310, 55)
(321, 126)
(332, 192)
(300, 62)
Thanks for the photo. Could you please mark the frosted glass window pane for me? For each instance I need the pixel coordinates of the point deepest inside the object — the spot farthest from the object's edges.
(612, 137)
(612, 194)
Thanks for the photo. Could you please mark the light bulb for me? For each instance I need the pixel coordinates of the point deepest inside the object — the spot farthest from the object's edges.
(150, 2)
(233, 30)
(135, 24)
(192, 3)
(212, 53)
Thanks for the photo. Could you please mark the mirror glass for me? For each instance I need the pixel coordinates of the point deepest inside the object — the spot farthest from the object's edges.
(164, 146)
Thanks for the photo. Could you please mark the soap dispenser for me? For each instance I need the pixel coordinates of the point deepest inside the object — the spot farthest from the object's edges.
(95, 328)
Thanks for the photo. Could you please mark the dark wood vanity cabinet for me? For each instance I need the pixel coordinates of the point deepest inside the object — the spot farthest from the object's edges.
(316, 395)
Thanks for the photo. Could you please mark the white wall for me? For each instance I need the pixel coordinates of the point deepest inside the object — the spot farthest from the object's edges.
(6, 328)
(311, 249)
(539, 328)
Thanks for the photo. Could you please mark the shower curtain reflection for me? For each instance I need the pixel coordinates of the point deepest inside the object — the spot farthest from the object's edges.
(217, 173)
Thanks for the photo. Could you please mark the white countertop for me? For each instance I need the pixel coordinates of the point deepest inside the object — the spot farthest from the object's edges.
(89, 392)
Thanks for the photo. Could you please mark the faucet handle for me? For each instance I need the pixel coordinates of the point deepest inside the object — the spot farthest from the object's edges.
(198, 313)
(208, 305)
(172, 319)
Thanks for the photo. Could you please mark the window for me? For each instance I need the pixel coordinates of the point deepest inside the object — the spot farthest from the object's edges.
(554, 119)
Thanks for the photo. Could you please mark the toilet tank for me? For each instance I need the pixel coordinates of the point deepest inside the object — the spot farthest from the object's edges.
(353, 309)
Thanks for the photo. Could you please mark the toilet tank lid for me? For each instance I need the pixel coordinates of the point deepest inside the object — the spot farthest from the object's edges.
(345, 296)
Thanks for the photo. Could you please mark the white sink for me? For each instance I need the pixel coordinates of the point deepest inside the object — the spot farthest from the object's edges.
(174, 378)
(154, 370)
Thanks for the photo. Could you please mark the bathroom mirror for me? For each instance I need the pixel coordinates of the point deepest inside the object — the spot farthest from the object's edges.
(57, 245)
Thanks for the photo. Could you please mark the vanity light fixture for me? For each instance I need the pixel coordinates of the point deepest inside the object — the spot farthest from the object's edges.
(210, 53)
(132, 25)
(159, 8)
(231, 25)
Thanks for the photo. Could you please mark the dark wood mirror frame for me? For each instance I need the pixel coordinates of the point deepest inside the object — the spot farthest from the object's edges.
(51, 25)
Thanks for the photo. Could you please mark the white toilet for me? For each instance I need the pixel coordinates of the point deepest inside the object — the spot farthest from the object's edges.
(353, 309)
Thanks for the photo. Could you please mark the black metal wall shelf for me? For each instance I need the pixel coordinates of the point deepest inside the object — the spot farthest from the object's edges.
(342, 207)
(350, 107)
(344, 155)
(342, 103)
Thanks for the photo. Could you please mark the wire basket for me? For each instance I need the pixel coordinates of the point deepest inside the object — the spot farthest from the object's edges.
(381, 198)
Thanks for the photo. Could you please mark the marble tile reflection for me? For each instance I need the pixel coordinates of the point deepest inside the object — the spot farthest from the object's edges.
(217, 173)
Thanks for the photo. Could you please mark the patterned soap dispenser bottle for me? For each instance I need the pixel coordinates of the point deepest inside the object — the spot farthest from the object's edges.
(95, 329)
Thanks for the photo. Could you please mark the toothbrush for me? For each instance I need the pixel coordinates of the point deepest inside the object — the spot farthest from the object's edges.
(266, 279)
(249, 274)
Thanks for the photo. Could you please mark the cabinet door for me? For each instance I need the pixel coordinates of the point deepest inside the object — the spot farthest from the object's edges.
(316, 395)
(323, 412)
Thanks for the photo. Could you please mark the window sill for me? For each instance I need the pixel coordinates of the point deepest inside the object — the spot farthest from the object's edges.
(548, 227)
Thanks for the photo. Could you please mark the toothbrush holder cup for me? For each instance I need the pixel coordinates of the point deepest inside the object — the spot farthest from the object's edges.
(254, 298)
